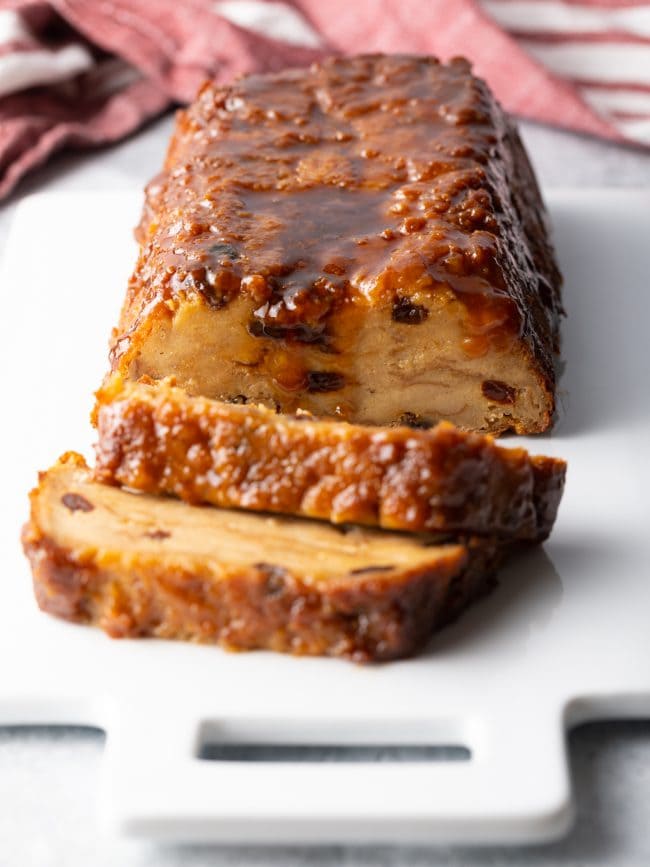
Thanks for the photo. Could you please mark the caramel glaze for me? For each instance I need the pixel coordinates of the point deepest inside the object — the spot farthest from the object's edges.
(373, 180)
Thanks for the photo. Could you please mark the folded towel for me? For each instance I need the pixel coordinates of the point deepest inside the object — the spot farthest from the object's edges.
(83, 73)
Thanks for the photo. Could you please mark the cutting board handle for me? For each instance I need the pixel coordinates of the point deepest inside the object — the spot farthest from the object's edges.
(515, 788)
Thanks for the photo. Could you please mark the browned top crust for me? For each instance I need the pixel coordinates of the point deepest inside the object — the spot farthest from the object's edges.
(158, 439)
(370, 180)
(151, 566)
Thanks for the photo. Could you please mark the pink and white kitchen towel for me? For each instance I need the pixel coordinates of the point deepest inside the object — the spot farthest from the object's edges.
(87, 72)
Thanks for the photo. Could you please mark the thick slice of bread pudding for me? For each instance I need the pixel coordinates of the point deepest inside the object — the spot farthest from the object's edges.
(140, 565)
(158, 439)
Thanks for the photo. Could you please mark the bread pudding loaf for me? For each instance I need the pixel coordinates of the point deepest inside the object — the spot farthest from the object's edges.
(158, 439)
(363, 240)
(147, 566)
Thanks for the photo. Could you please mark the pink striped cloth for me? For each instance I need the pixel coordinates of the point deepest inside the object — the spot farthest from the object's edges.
(82, 73)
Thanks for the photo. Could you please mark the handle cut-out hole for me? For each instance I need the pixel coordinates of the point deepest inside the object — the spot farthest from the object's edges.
(276, 752)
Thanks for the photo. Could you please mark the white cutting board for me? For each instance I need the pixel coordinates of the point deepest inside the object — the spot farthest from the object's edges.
(565, 638)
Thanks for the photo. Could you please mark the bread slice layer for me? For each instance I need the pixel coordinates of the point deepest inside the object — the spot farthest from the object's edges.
(138, 565)
(158, 439)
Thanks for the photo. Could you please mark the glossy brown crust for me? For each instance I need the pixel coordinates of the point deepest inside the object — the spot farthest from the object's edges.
(368, 182)
(364, 617)
(158, 439)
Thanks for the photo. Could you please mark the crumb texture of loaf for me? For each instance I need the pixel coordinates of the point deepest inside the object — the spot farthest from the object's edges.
(363, 239)
(137, 565)
(158, 439)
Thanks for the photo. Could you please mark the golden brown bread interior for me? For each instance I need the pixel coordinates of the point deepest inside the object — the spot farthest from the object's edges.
(364, 239)
(158, 439)
(140, 565)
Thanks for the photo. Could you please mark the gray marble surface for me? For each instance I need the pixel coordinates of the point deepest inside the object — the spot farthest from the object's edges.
(48, 777)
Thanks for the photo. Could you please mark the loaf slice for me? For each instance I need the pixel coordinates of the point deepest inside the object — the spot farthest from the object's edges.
(158, 439)
(363, 239)
(139, 565)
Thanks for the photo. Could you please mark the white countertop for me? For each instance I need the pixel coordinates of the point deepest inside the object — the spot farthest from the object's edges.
(48, 776)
